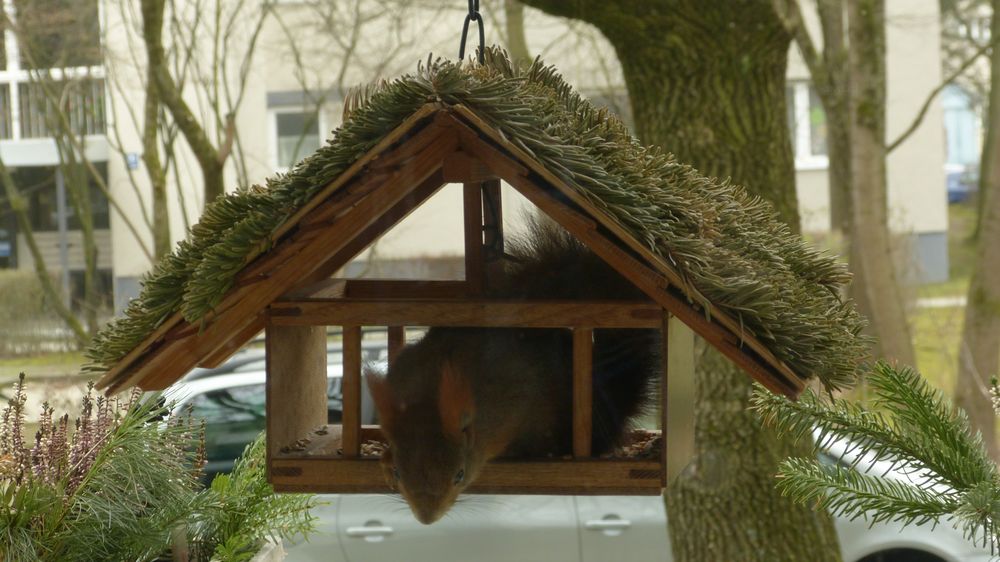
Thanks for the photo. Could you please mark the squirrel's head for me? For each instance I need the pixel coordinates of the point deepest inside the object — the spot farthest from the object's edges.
(431, 441)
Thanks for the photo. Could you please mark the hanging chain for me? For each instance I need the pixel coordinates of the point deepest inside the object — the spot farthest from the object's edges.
(473, 16)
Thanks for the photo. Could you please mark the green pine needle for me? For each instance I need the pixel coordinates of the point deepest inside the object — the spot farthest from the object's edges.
(913, 427)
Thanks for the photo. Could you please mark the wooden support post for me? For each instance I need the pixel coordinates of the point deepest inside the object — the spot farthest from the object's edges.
(474, 260)
(583, 372)
(351, 391)
(492, 229)
(679, 432)
(664, 396)
(296, 383)
(397, 339)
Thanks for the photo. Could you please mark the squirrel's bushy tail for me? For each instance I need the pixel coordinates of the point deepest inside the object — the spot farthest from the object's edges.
(549, 263)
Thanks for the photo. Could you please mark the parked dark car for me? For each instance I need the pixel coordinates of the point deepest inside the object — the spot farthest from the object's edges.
(962, 184)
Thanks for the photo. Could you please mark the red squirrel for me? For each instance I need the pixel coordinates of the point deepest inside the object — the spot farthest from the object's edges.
(463, 396)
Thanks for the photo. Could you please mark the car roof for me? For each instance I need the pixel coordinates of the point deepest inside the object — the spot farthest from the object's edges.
(248, 358)
(184, 390)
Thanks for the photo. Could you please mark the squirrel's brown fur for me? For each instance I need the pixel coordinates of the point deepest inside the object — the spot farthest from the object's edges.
(462, 396)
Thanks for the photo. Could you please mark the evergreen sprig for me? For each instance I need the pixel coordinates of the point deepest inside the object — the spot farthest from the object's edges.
(846, 491)
(729, 247)
(243, 511)
(938, 469)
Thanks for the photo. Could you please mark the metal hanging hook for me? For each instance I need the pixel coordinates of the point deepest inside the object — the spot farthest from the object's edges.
(475, 16)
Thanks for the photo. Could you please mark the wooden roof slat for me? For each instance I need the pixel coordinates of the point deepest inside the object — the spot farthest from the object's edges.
(659, 290)
(771, 373)
(390, 218)
(262, 268)
(519, 157)
(462, 167)
(427, 113)
(219, 356)
(251, 299)
(415, 120)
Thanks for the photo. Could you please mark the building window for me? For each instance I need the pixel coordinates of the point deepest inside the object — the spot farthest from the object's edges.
(6, 116)
(295, 134)
(58, 33)
(39, 185)
(82, 103)
(60, 44)
(807, 122)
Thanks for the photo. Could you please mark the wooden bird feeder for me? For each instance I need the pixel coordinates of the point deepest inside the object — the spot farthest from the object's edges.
(287, 292)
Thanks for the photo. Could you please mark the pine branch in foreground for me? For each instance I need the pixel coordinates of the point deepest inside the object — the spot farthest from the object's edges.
(935, 470)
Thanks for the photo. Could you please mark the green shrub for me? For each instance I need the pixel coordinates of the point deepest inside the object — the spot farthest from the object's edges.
(242, 511)
(21, 297)
(120, 483)
(108, 487)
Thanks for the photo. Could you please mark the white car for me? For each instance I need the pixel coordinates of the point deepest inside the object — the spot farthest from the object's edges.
(494, 528)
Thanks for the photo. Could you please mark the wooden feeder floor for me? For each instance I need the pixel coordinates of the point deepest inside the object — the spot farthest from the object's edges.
(634, 469)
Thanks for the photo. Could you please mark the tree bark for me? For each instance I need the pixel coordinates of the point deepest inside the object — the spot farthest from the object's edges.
(78, 187)
(979, 352)
(707, 82)
(154, 170)
(876, 284)
(833, 91)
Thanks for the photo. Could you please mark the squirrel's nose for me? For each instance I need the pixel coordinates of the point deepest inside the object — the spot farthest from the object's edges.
(427, 509)
(426, 516)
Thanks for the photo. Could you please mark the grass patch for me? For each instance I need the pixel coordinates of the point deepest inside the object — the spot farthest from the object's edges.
(936, 334)
(937, 331)
(63, 363)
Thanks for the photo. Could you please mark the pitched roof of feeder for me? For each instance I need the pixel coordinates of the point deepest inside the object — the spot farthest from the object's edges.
(717, 249)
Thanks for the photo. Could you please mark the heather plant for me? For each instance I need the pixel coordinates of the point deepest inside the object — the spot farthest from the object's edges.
(108, 488)
(121, 482)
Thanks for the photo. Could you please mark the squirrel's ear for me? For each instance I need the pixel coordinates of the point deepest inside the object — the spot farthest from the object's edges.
(455, 402)
(382, 396)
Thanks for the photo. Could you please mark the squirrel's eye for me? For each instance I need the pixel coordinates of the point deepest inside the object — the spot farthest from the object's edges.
(459, 476)
(395, 473)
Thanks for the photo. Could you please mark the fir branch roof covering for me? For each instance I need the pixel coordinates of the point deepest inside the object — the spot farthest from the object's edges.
(719, 248)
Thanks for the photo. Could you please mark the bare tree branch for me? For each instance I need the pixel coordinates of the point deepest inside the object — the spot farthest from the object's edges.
(934, 93)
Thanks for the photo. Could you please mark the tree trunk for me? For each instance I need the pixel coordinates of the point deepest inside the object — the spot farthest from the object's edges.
(154, 170)
(517, 43)
(990, 141)
(707, 82)
(19, 205)
(871, 254)
(78, 187)
(833, 91)
(979, 353)
(838, 149)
